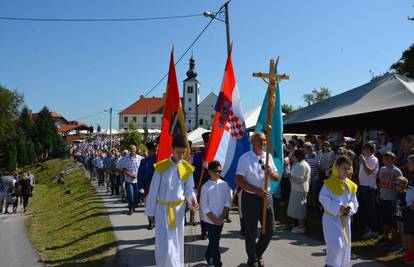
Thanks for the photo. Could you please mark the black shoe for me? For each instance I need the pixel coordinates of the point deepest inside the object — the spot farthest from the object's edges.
(6, 212)
(260, 261)
(203, 237)
(228, 220)
(209, 260)
(150, 226)
(129, 212)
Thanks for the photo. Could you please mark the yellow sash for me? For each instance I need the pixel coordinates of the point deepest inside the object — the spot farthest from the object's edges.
(170, 211)
(343, 222)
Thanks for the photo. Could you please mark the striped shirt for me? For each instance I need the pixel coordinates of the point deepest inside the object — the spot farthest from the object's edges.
(314, 162)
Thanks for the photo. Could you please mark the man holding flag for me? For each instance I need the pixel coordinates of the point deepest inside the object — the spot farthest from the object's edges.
(250, 176)
(172, 183)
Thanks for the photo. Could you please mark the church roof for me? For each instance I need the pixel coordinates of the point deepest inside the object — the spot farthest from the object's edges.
(153, 105)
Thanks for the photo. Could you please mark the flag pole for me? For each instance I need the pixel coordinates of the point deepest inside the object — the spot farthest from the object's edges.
(271, 104)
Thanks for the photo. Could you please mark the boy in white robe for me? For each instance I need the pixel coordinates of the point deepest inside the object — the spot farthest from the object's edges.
(338, 198)
(171, 185)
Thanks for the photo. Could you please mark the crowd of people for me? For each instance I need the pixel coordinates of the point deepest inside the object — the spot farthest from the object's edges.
(375, 181)
(16, 189)
(383, 171)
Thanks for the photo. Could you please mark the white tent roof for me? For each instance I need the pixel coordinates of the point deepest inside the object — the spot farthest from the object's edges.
(195, 136)
(252, 116)
(387, 92)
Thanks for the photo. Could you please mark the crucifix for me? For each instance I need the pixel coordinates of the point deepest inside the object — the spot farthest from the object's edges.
(272, 80)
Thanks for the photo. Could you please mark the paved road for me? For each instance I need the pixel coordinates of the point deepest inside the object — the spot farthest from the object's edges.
(15, 247)
(136, 243)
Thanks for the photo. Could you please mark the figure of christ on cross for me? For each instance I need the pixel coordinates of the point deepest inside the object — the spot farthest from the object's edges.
(272, 80)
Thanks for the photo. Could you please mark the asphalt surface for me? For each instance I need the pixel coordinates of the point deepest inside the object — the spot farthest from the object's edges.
(16, 249)
(136, 243)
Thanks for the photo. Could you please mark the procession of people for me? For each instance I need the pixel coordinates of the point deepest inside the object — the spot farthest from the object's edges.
(170, 187)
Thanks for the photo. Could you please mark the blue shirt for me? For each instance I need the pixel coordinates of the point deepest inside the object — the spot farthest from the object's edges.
(145, 172)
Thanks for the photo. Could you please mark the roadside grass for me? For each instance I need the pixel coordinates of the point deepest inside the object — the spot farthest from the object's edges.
(68, 223)
(367, 249)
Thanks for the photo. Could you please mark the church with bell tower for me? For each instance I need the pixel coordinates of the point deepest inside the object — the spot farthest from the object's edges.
(191, 97)
(148, 112)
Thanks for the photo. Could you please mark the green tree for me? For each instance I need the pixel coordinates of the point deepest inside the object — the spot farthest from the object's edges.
(132, 125)
(131, 137)
(60, 148)
(30, 152)
(38, 149)
(405, 65)
(317, 96)
(45, 131)
(11, 156)
(26, 122)
(10, 102)
(287, 108)
(22, 159)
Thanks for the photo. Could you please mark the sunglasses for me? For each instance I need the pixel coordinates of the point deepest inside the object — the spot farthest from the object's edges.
(262, 164)
(216, 171)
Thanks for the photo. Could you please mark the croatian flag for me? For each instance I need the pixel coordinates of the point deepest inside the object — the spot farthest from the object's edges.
(229, 137)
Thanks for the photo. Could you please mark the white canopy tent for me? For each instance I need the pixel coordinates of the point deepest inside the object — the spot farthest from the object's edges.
(196, 138)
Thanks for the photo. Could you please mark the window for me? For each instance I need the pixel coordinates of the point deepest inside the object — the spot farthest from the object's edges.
(134, 119)
(189, 100)
(189, 109)
(144, 119)
(189, 121)
(125, 119)
(189, 89)
(200, 122)
(153, 119)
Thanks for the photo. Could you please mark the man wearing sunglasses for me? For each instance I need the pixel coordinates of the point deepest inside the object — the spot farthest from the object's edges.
(250, 176)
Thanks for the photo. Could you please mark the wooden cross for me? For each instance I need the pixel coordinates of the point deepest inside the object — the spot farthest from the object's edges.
(273, 80)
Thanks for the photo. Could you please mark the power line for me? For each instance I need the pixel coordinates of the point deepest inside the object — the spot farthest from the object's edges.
(90, 115)
(188, 49)
(100, 20)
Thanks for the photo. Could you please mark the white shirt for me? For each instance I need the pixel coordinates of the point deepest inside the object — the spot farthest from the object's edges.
(302, 171)
(215, 196)
(132, 165)
(253, 171)
(371, 179)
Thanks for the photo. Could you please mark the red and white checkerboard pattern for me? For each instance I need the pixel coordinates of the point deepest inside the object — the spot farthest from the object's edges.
(235, 125)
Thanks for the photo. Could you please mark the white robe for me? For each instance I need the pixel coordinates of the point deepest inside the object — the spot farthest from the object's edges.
(338, 252)
(169, 243)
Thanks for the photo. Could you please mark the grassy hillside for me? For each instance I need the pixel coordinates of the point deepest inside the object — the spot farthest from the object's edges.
(68, 223)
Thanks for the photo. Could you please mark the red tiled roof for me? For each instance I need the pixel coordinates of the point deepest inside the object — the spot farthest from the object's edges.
(153, 105)
(70, 127)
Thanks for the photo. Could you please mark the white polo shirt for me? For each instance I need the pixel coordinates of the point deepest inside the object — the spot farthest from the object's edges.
(369, 179)
(215, 196)
(250, 167)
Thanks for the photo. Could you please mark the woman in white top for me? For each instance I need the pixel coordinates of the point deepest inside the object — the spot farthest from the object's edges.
(300, 178)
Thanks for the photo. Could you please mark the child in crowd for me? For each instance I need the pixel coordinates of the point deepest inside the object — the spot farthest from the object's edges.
(401, 184)
(215, 203)
(386, 195)
(338, 198)
(408, 237)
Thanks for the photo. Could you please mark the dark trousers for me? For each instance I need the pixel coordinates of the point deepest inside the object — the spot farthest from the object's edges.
(115, 183)
(101, 176)
(367, 210)
(252, 210)
(131, 190)
(213, 249)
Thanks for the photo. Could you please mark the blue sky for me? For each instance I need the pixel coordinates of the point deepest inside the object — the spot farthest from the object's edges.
(78, 69)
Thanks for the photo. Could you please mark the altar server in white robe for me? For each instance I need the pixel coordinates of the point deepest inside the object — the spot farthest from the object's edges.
(172, 184)
(338, 198)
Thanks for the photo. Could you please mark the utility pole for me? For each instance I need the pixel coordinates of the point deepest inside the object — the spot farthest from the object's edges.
(226, 21)
(110, 128)
(226, 10)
